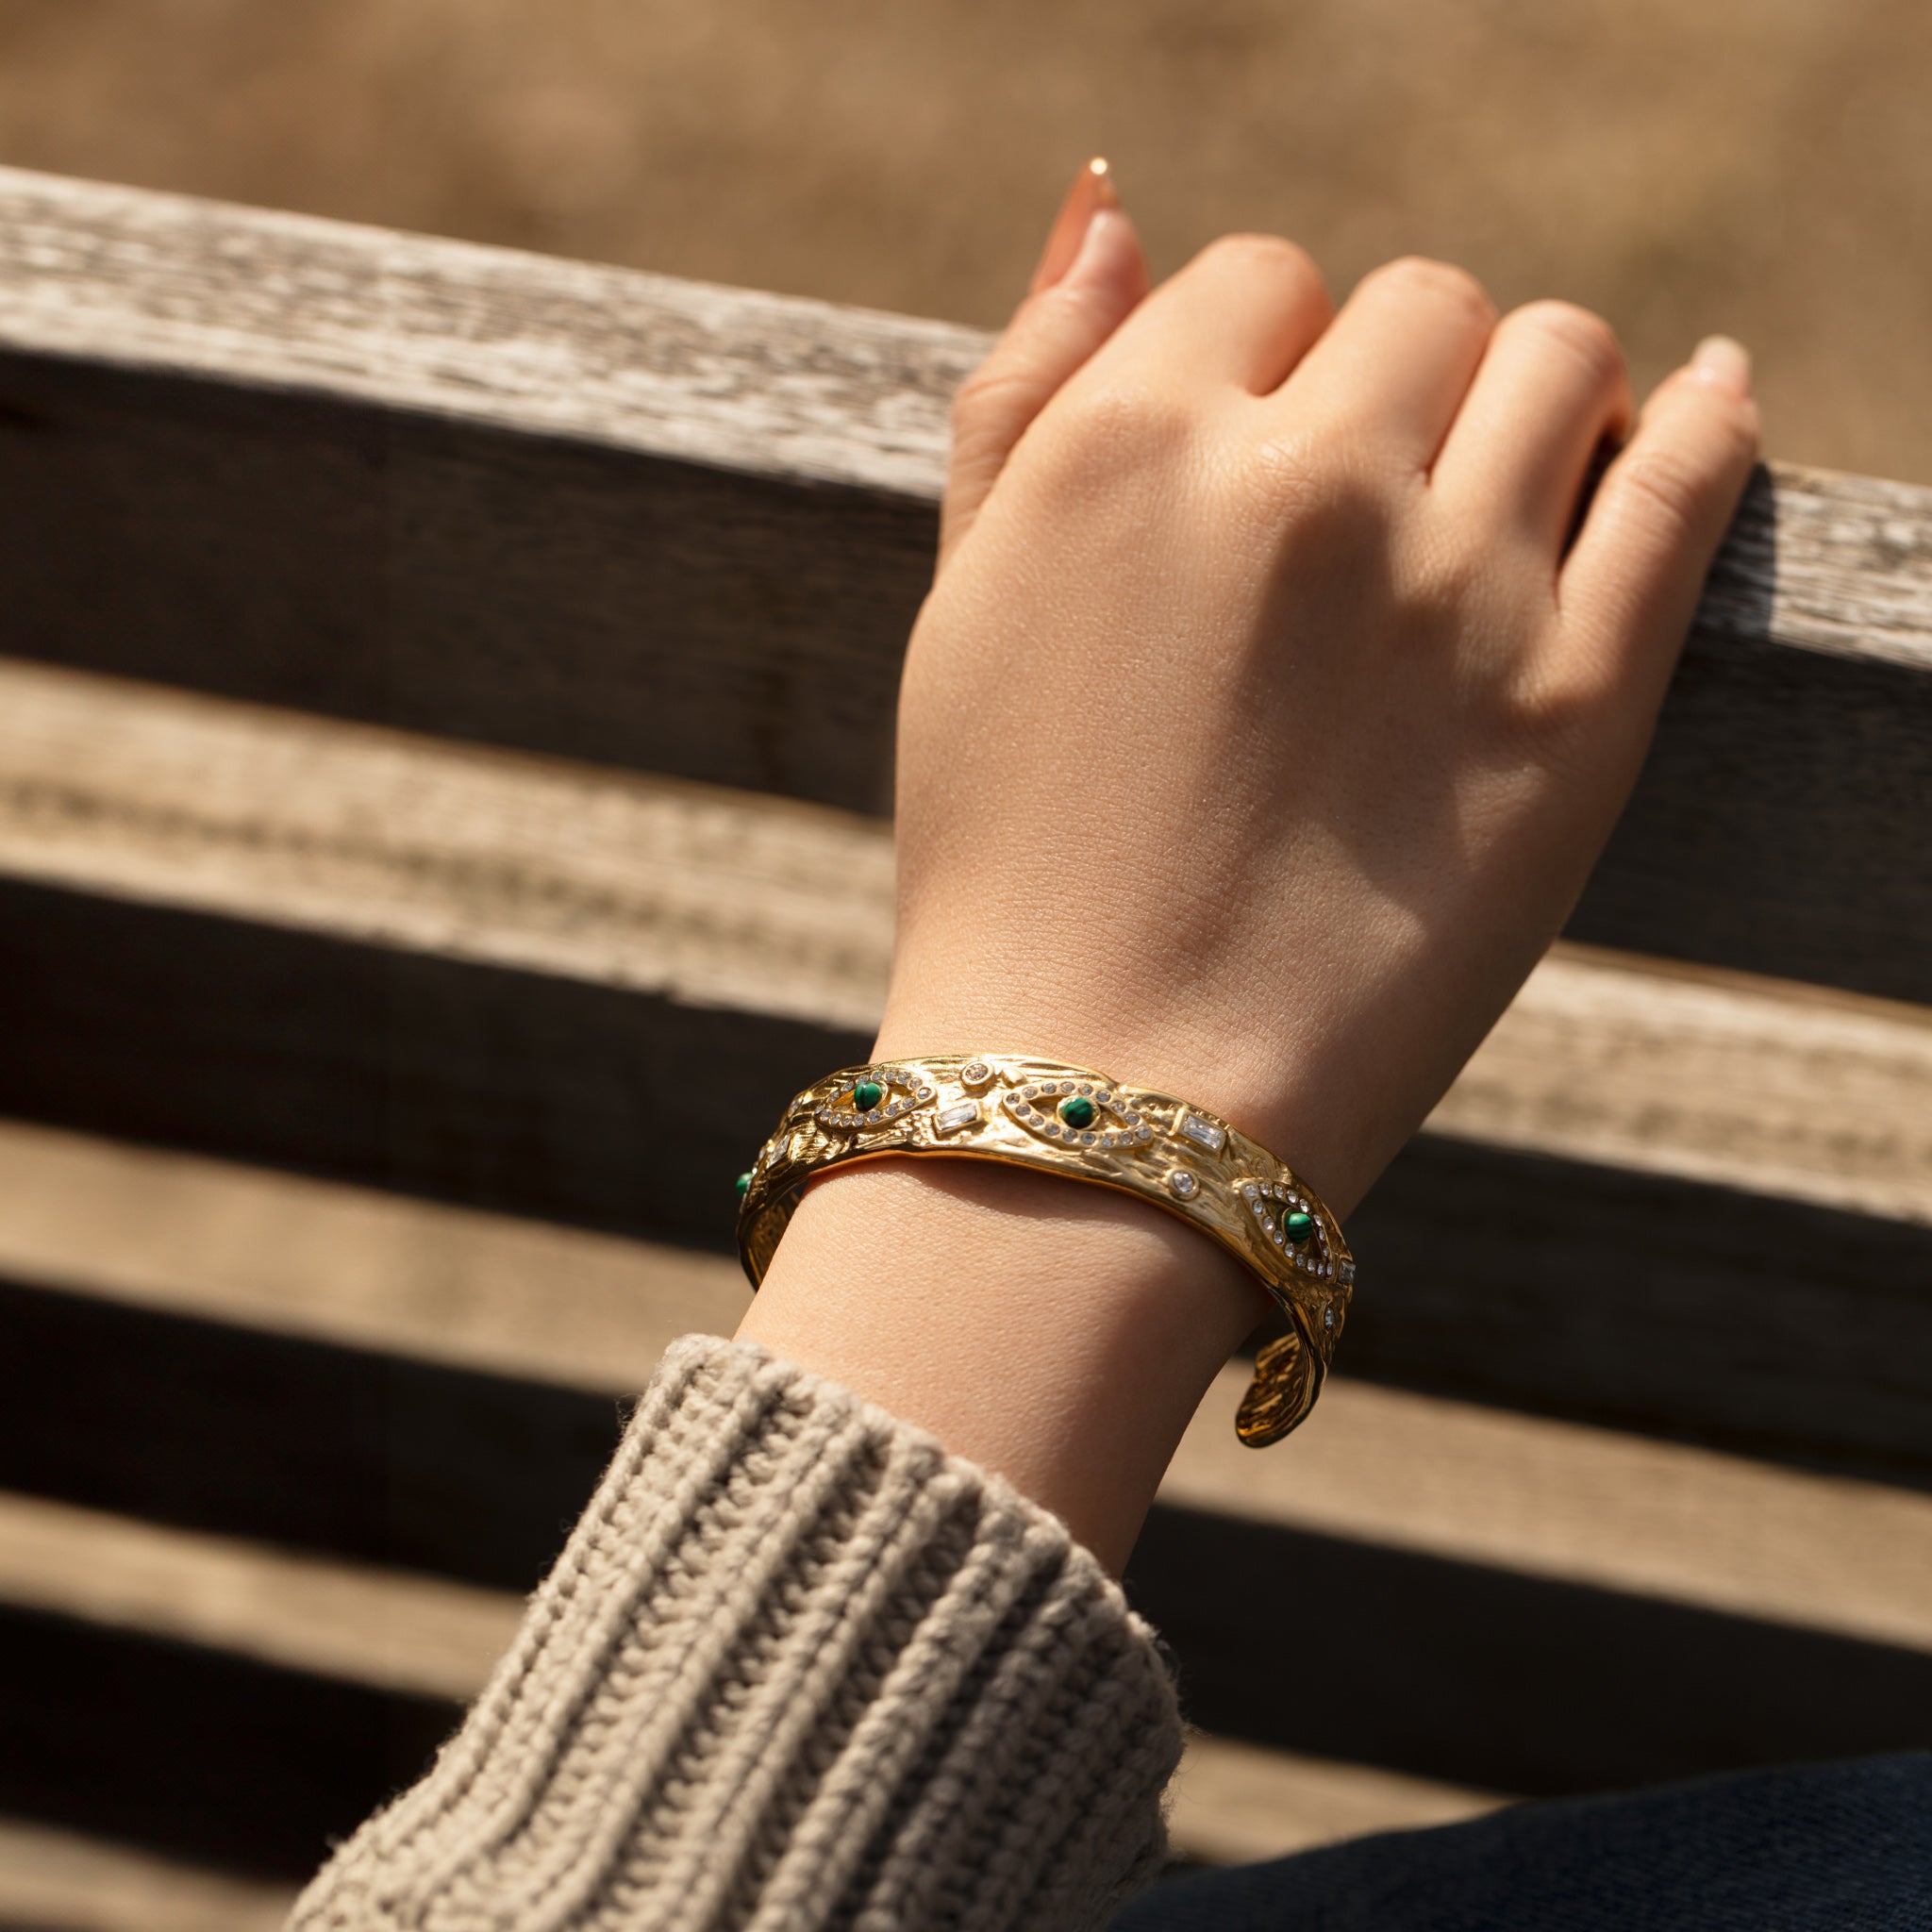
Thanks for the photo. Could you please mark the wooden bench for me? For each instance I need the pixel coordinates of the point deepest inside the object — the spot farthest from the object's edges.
(445, 704)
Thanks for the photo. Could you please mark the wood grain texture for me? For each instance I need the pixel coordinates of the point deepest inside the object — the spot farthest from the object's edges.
(379, 1627)
(175, 1234)
(1236, 1803)
(682, 528)
(182, 1234)
(1492, 1680)
(1553, 1499)
(392, 1630)
(66, 1881)
(1490, 1677)
(1636, 1299)
(718, 898)
(202, 1756)
(762, 905)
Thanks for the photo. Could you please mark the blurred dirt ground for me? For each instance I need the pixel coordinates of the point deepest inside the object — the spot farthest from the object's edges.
(1760, 166)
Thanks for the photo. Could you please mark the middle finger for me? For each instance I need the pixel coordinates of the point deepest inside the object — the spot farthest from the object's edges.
(1397, 361)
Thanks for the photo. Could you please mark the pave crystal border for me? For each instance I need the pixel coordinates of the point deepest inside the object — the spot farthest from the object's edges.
(917, 1091)
(1272, 1203)
(1004, 1106)
(1133, 1130)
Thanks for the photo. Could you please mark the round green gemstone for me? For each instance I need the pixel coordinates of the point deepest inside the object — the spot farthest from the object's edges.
(743, 1186)
(867, 1095)
(1078, 1111)
(1297, 1227)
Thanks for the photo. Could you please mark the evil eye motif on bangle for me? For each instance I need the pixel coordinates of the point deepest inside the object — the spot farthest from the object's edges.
(876, 1095)
(1077, 1113)
(1285, 1219)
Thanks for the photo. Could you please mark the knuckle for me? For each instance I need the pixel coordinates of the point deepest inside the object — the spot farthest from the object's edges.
(1666, 484)
(990, 389)
(1580, 332)
(1136, 411)
(1421, 276)
(1259, 254)
(1126, 423)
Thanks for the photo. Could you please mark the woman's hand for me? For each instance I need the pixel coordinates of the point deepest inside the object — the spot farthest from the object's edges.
(1264, 721)
(1268, 712)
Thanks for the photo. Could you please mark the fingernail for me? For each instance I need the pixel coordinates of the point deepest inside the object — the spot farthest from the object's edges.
(1092, 191)
(1724, 363)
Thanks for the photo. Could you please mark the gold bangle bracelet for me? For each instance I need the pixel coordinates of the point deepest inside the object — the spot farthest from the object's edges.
(1072, 1120)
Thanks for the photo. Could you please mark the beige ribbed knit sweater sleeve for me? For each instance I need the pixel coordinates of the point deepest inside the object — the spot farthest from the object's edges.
(798, 1668)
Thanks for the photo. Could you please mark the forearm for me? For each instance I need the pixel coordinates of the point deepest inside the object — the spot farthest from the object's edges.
(1061, 1336)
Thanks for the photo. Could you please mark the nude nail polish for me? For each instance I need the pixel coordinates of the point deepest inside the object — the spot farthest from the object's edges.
(1724, 363)
(1092, 191)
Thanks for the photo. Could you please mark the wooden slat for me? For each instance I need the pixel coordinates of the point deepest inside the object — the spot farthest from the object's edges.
(362, 1460)
(209, 1757)
(183, 1235)
(1579, 1505)
(64, 1881)
(1491, 1679)
(386, 1628)
(599, 513)
(397, 1631)
(659, 885)
(762, 905)
(1663, 1196)
(1235, 1804)
(1633, 1299)
(1547, 1499)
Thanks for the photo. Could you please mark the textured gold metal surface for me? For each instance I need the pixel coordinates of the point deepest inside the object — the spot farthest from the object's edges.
(1183, 1158)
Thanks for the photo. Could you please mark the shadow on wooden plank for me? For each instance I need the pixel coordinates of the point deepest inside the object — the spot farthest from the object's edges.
(1766, 1326)
(1432, 1669)
(523, 589)
(548, 1097)
(1442, 1670)
(459, 579)
(210, 1757)
(361, 1454)
(1501, 1682)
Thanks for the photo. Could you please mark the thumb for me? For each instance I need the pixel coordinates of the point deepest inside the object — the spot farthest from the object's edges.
(1090, 276)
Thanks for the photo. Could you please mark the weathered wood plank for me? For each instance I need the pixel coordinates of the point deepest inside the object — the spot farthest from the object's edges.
(1492, 1680)
(63, 1881)
(1629, 1298)
(393, 1630)
(762, 905)
(1577, 1505)
(587, 511)
(179, 1235)
(1486, 1678)
(720, 899)
(1236, 1803)
(200, 1756)
(388, 1629)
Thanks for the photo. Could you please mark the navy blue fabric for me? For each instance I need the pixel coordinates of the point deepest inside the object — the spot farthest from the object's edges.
(1814, 1848)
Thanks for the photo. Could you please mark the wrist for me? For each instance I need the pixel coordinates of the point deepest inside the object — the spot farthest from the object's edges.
(1060, 1335)
(1335, 1115)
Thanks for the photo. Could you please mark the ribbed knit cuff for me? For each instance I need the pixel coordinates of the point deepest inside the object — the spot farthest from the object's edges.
(798, 1668)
